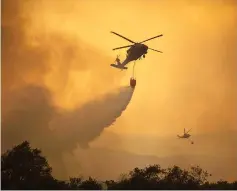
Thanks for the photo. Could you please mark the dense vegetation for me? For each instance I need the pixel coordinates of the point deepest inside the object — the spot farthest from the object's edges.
(25, 168)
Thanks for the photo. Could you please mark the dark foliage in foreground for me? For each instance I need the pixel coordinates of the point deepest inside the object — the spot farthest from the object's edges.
(25, 168)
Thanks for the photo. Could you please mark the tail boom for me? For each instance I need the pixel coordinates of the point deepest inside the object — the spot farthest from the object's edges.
(122, 65)
(125, 62)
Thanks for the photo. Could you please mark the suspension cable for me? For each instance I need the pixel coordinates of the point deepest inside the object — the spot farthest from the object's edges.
(133, 74)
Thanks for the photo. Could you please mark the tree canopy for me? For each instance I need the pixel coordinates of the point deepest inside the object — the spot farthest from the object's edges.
(26, 168)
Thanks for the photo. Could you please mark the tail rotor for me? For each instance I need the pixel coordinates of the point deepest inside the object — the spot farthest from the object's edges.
(117, 58)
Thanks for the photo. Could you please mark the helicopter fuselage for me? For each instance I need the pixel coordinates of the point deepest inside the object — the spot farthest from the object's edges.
(186, 135)
(136, 51)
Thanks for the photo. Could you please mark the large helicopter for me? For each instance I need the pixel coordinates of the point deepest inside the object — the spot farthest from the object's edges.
(136, 51)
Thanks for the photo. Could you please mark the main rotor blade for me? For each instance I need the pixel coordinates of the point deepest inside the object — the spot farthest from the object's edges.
(155, 50)
(189, 130)
(122, 47)
(122, 37)
(152, 38)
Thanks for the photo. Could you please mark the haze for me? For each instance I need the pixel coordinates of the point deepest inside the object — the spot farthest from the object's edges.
(65, 48)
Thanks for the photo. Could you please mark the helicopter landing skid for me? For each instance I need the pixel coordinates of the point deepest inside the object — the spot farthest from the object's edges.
(119, 67)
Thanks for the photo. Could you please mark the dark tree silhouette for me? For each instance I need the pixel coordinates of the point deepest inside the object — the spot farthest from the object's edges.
(220, 185)
(90, 184)
(177, 178)
(80, 184)
(154, 177)
(74, 183)
(25, 168)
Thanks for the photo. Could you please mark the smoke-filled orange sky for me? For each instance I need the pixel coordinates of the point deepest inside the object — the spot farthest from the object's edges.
(66, 48)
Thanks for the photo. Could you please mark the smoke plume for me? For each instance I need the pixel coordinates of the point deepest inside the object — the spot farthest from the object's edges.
(31, 116)
(73, 71)
(87, 122)
(50, 82)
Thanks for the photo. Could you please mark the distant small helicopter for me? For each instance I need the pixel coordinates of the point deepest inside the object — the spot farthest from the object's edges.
(185, 135)
(136, 51)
